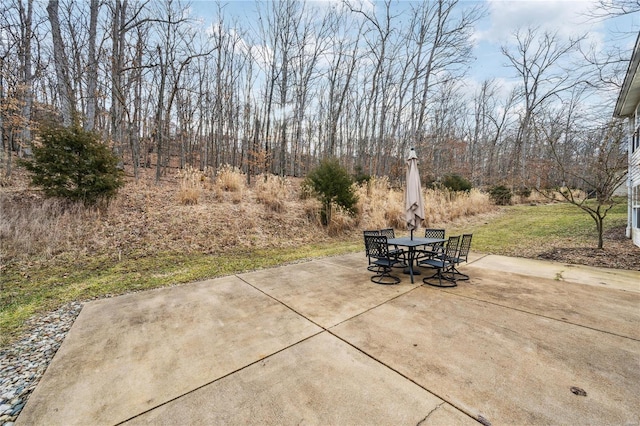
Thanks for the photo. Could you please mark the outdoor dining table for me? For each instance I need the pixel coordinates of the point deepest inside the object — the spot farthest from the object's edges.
(411, 244)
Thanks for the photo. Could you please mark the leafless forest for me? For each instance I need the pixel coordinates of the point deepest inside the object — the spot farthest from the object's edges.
(302, 81)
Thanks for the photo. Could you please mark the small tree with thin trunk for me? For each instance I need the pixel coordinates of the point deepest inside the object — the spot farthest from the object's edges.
(602, 170)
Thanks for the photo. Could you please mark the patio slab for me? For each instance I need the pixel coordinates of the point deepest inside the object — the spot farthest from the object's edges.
(597, 307)
(326, 291)
(501, 364)
(600, 277)
(128, 354)
(317, 342)
(321, 380)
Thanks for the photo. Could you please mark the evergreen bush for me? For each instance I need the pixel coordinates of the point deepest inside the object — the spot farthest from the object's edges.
(456, 182)
(360, 177)
(500, 195)
(72, 163)
(331, 184)
(524, 192)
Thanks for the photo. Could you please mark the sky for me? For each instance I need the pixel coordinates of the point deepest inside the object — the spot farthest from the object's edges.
(569, 18)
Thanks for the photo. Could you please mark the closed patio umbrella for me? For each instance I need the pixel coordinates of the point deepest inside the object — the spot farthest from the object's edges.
(414, 203)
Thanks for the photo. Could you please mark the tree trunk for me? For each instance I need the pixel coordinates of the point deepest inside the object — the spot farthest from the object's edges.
(27, 75)
(92, 71)
(159, 116)
(63, 82)
(600, 226)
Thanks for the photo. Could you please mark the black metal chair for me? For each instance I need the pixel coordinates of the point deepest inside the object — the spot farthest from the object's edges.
(371, 267)
(395, 252)
(462, 256)
(432, 250)
(444, 265)
(378, 252)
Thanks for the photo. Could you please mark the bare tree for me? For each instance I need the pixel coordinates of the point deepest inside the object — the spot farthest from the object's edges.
(490, 133)
(344, 58)
(92, 67)
(599, 167)
(176, 50)
(609, 9)
(26, 66)
(537, 59)
(63, 78)
(443, 43)
(311, 39)
(19, 71)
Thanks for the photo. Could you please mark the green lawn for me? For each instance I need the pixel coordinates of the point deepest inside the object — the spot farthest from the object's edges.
(522, 227)
(25, 292)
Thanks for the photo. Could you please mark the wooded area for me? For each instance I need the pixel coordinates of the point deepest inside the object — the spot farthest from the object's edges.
(302, 82)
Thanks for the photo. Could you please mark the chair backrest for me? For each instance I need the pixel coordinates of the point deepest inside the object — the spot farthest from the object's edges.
(465, 245)
(366, 233)
(376, 246)
(388, 232)
(433, 233)
(452, 247)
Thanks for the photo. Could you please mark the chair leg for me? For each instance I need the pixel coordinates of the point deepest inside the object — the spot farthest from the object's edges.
(440, 274)
(462, 277)
(384, 277)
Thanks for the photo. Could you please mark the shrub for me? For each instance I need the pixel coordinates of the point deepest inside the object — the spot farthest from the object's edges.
(72, 163)
(332, 184)
(455, 182)
(500, 195)
(524, 192)
(360, 177)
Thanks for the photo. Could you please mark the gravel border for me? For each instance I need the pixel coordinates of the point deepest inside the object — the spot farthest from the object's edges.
(23, 363)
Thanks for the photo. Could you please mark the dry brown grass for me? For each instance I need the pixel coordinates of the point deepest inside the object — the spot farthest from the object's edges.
(442, 206)
(147, 217)
(273, 191)
(381, 206)
(42, 228)
(192, 182)
(546, 196)
(230, 179)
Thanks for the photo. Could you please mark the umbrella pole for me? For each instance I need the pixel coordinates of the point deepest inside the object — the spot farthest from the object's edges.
(411, 234)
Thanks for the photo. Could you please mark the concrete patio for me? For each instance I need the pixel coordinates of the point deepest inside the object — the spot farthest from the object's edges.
(522, 342)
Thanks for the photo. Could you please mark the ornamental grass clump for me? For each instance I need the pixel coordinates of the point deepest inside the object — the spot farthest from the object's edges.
(379, 205)
(191, 184)
(230, 179)
(443, 205)
(273, 191)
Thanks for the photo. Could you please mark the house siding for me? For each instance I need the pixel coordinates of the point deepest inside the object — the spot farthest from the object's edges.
(633, 179)
(628, 106)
